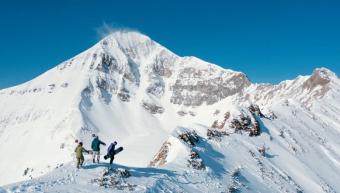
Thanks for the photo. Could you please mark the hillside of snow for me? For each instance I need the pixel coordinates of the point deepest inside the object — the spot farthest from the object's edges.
(186, 125)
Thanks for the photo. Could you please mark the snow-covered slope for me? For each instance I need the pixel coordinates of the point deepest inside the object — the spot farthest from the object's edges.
(130, 89)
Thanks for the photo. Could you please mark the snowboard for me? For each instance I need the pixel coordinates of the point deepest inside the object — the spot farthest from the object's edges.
(119, 149)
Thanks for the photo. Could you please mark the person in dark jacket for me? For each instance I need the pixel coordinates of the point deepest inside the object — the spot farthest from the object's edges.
(79, 154)
(111, 152)
(96, 148)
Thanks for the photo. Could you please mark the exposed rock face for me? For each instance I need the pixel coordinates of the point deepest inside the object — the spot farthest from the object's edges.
(114, 78)
(320, 77)
(182, 113)
(193, 86)
(190, 137)
(160, 69)
(152, 108)
(195, 161)
(124, 95)
(163, 64)
(157, 88)
(246, 123)
(160, 158)
(220, 125)
(255, 110)
(108, 64)
(235, 182)
(114, 179)
(216, 134)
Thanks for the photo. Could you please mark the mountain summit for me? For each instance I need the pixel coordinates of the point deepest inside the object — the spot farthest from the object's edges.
(175, 114)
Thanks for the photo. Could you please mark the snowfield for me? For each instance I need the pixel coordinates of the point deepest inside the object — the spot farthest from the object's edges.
(186, 126)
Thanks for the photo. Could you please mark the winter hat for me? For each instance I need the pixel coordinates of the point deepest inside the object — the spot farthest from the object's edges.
(93, 135)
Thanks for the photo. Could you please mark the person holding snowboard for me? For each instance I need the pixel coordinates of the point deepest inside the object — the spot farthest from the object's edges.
(79, 154)
(96, 148)
(111, 152)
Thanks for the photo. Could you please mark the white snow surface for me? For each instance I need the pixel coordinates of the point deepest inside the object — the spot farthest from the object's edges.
(104, 91)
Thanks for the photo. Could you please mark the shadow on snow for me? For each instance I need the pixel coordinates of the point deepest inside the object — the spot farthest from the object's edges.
(135, 171)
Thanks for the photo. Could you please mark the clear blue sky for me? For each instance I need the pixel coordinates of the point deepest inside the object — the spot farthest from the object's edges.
(268, 40)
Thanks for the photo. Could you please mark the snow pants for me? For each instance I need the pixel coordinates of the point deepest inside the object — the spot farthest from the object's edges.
(112, 157)
(80, 161)
(95, 156)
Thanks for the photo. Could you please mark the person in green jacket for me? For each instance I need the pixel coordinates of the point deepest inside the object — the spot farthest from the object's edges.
(79, 154)
(96, 148)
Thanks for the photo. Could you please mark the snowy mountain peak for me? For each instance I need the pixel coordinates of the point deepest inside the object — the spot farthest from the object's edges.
(132, 44)
(320, 81)
(322, 76)
(324, 72)
(126, 38)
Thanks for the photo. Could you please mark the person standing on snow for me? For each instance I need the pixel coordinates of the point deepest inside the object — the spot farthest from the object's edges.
(111, 152)
(96, 148)
(79, 154)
